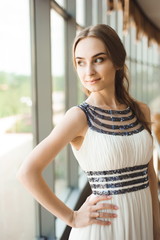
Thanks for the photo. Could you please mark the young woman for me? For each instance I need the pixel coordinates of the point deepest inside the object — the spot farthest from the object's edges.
(111, 139)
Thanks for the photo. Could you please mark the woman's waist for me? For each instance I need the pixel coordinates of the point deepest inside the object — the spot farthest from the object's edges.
(118, 181)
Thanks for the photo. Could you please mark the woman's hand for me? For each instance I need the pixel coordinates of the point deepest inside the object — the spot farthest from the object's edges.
(90, 211)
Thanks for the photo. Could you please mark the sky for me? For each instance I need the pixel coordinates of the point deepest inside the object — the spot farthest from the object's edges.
(14, 36)
(15, 49)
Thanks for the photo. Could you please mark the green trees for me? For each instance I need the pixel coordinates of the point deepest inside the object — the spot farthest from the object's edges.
(15, 94)
(15, 100)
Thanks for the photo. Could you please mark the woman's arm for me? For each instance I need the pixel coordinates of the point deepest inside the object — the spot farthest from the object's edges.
(30, 173)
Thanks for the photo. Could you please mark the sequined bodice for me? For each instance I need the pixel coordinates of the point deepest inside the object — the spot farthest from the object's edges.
(115, 151)
(114, 155)
(113, 122)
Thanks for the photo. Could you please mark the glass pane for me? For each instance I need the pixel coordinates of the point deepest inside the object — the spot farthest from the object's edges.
(156, 82)
(150, 83)
(80, 12)
(145, 83)
(81, 94)
(113, 19)
(150, 54)
(133, 79)
(17, 218)
(120, 24)
(139, 51)
(139, 82)
(133, 42)
(155, 104)
(59, 97)
(156, 53)
(104, 12)
(126, 42)
(94, 12)
(145, 49)
(61, 2)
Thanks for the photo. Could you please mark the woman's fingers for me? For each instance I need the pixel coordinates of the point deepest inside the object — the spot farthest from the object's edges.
(94, 211)
(102, 206)
(96, 199)
(95, 221)
(103, 215)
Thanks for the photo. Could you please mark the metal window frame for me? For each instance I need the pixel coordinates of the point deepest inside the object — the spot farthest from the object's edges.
(64, 12)
(42, 97)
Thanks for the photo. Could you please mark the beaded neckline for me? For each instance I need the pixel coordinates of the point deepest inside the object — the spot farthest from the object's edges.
(112, 122)
(106, 110)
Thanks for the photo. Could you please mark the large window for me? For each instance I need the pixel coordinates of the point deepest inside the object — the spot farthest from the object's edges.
(59, 97)
(17, 213)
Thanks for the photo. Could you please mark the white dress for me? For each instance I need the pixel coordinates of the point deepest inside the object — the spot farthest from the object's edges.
(115, 155)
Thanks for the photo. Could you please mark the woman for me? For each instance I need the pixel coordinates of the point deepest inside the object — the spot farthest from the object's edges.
(110, 137)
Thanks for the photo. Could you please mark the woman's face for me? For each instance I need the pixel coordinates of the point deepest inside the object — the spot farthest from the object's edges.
(94, 67)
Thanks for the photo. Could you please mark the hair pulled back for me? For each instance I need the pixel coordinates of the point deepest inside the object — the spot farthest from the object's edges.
(117, 54)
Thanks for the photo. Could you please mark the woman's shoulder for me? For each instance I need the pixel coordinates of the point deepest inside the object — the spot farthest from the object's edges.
(76, 114)
(145, 109)
(76, 111)
(77, 119)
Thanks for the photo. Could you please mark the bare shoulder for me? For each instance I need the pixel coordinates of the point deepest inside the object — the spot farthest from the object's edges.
(145, 109)
(74, 120)
(76, 114)
(79, 125)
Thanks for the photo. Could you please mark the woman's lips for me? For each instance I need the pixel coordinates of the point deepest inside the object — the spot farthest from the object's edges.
(92, 81)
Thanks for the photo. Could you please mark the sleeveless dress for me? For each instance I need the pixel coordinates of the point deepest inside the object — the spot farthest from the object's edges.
(115, 155)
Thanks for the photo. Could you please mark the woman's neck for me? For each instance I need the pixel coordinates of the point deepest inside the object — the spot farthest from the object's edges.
(104, 100)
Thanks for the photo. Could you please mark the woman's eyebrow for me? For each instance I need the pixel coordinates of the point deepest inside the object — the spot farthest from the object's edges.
(96, 55)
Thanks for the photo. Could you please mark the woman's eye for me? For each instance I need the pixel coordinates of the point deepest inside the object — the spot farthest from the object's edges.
(80, 63)
(99, 60)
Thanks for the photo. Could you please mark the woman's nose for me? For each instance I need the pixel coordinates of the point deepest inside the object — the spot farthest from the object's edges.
(90, 70)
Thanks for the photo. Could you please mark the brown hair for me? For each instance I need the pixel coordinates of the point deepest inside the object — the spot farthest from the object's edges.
(117, 55)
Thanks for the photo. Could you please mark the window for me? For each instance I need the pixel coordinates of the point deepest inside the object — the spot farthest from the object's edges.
(59, 98)
(61, 2)
(17, 218)
(80, 12)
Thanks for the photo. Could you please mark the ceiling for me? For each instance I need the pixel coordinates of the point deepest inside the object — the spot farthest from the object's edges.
(151, 8)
